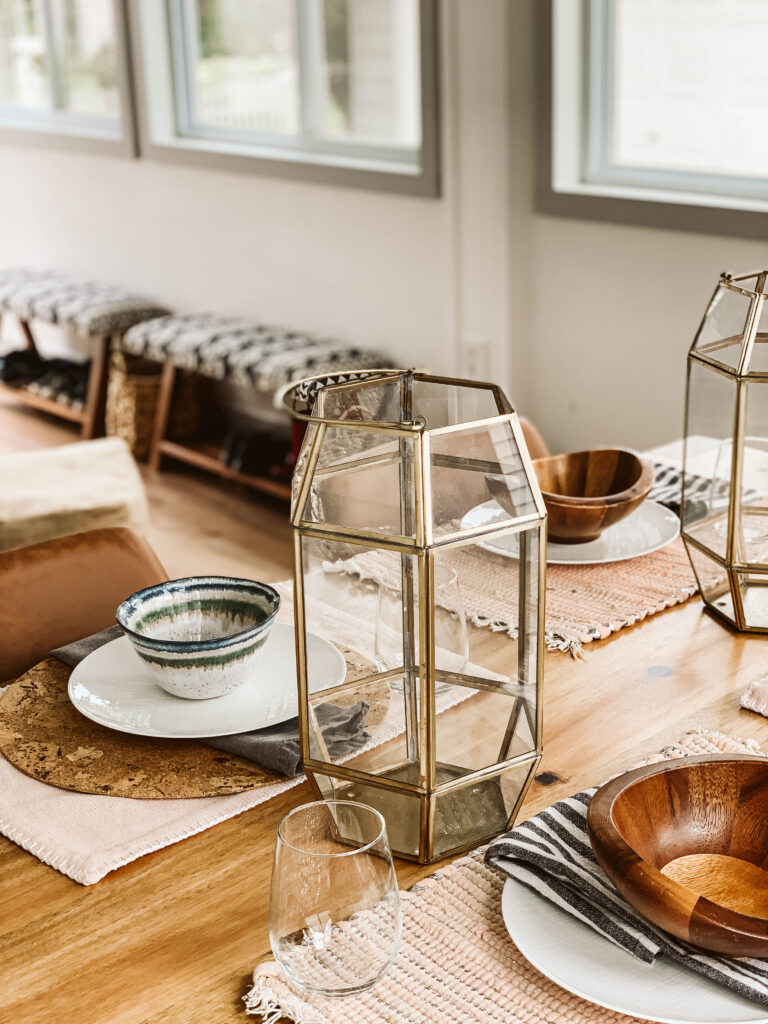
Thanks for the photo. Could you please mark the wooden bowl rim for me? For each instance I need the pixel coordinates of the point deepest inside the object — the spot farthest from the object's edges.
(641, 487)
(609, 845)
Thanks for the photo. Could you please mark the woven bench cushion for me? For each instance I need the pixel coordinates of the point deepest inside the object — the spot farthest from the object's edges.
(55, 492)
(88, 307)
(240, 350)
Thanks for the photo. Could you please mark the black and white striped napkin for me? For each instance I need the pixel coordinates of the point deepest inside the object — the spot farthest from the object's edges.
(552, 855)
(699, 497)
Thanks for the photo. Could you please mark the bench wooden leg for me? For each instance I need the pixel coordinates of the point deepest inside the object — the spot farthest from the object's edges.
(28, 335)
(162, 414)
(96, 398)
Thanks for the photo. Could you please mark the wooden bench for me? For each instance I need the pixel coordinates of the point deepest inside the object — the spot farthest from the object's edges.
(238, 350)
(98, 312)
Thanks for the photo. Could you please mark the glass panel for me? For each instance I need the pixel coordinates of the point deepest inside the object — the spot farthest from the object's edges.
(713, 582)
(709, 451)
(752, 522)
(23, 66)
(300, 469)
(369, 72)
(722, 331)
(446, 405)
(758, 362)
(478, 478)
(748, 282)
(401, 811)
(753, 590)
(358, 481)
(480, 809)
(383, 400)
(364, 620)
(243, 65)
(496, 718)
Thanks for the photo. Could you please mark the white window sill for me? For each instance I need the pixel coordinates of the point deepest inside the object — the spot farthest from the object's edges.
(673, 197)
(286, 154)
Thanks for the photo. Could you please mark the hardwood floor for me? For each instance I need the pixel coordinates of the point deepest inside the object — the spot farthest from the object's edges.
(199, 525)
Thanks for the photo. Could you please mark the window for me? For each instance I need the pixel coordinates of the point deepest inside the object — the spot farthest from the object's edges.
(61, 68)
(303, 84)
(664, 101)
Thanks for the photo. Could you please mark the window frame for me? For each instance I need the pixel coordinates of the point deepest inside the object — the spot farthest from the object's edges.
(63, 129)
(576, 177)
(324, 161)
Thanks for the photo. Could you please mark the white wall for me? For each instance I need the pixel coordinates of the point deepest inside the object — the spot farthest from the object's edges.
(357, 264)
(615, 309)
(603, 314)
(587, 324)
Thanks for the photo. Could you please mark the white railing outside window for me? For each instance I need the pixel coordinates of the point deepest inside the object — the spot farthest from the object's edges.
(60, 67)
(344, 84)
(337, 91)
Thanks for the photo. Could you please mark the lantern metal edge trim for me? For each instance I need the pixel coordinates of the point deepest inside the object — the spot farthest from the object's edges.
(424, 547)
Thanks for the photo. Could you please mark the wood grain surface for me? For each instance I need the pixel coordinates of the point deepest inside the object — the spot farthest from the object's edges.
(174, 936)
(685, 844)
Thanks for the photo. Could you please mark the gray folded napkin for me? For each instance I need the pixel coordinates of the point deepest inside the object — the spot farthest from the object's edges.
(276, 747)
(551, 854)
(72, 654)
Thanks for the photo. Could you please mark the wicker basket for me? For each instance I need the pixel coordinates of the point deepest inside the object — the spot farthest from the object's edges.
(131, 401)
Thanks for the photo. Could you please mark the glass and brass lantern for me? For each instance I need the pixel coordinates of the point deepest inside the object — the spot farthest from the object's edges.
(725, 489)
(407, 488)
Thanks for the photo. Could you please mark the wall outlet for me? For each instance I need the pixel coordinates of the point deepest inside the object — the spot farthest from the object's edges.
(476, 358)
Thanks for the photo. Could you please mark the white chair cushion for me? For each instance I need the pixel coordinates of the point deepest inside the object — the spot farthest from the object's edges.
(55, 492)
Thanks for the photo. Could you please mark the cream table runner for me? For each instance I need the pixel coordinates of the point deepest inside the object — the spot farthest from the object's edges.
(86, 836)
(457, 963)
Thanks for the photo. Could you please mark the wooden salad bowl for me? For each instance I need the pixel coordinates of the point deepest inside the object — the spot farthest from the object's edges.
(686, 843)
(586, 492)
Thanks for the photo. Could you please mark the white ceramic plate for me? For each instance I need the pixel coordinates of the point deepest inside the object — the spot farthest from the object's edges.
(583, 962)
(648, 528)
(113, 687)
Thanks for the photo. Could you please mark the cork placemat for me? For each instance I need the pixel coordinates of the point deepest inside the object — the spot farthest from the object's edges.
(45, 737)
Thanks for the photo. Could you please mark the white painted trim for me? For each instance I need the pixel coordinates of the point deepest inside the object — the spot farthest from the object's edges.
(68, 131)
(654, 198)
(343, 164)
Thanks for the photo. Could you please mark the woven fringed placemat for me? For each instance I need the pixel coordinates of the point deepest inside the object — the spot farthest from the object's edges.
(44, 736)
(584, 602)
(457, 963)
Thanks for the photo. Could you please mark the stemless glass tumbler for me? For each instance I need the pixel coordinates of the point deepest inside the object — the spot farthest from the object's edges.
(334, 915)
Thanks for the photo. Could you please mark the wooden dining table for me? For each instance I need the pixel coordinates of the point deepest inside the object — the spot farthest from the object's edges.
(174, 936)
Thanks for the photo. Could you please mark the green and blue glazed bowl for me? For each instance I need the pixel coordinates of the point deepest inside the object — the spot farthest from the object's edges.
(201, 636)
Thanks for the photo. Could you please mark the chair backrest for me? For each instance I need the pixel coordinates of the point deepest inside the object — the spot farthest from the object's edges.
(65, 589)
(537, 446)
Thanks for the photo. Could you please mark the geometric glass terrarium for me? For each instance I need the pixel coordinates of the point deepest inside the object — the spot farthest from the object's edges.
(405, 486)
(725, 503)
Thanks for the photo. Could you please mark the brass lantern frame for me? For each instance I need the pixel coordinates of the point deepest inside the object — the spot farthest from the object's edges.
(417, 539)
(733, 561)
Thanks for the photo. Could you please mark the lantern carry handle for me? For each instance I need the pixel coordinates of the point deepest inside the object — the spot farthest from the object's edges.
(298, 399)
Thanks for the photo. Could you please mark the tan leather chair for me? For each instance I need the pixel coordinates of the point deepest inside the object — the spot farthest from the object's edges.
(62, 590)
